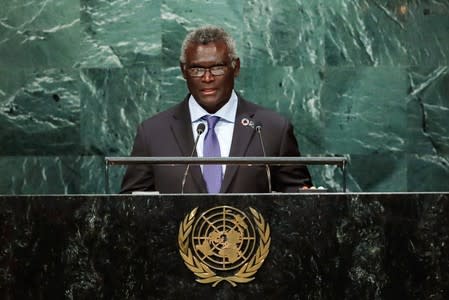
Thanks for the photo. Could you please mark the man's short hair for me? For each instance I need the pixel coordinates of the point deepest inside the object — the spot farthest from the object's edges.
(208, 34)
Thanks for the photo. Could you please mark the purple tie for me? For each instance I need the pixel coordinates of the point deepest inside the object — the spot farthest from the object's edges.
(212, 173)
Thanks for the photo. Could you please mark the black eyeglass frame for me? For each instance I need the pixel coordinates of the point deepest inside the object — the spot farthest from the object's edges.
(216, 70)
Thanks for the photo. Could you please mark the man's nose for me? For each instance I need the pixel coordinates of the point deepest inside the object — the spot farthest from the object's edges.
(207, 77)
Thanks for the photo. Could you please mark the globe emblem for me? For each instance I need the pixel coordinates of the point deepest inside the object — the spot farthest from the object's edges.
(223, 238)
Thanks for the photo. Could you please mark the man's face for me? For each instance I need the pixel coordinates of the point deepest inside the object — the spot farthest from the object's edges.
(210, 91)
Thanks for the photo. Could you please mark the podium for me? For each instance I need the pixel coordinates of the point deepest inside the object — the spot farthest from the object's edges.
(323, 246)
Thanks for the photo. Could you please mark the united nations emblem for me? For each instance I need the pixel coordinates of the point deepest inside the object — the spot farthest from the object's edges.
(224, 244)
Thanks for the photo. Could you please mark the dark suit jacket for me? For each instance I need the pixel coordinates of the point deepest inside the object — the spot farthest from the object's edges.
(170, 134)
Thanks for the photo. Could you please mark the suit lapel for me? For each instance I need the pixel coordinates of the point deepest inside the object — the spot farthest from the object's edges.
(182, 131)
(241, 138)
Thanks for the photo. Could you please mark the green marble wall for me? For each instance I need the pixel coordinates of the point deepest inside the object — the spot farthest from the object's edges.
(363, 78)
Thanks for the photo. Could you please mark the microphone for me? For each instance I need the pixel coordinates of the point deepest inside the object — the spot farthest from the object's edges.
(258, 128)
(199, 130)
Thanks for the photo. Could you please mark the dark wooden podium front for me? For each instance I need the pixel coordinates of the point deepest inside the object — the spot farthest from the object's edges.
(323, 246)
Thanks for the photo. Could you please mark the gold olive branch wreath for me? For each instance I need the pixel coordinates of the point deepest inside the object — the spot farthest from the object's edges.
(204, 273)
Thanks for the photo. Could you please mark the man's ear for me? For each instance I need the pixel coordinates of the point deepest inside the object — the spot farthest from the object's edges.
(236, 66)
(183, 70)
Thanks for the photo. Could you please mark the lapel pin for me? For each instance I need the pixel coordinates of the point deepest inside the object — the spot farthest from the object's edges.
(246, 122)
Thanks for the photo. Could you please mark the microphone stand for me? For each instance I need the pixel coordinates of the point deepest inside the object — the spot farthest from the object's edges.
(267, 168)
(199, 130)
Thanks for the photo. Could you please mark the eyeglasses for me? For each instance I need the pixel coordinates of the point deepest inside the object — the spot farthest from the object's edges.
(199, 72)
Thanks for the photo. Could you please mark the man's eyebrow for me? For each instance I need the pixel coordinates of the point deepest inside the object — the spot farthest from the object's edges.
(195, 65)
(198, 65)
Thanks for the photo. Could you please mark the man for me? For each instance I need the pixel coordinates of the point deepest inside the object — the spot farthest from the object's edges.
(209, 64)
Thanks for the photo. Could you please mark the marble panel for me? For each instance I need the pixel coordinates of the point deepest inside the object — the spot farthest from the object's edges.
(283, 33)
(428, 110)
(39, 34)
(119, 33)
(294, 93)
(114, 102)
(381, 172)
(173, 88)
(390, 33)
(39, 174)
(179, 17)
(427, 172)
(427, 28)
(361, 32)
(93, 177)
(39, 112)
(331, 177)
(364, 109)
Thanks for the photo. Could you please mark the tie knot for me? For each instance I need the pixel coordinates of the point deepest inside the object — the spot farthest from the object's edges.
(211, 121)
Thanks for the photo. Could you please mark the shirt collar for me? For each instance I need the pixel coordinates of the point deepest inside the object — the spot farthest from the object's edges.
(227, 112)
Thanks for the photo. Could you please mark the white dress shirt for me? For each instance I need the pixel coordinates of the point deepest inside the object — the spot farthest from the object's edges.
(224, 127)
